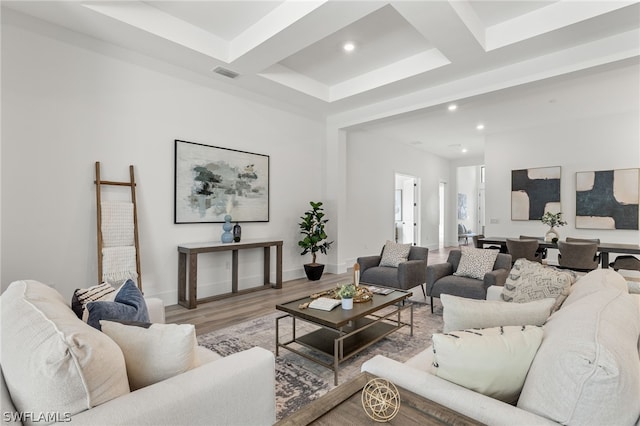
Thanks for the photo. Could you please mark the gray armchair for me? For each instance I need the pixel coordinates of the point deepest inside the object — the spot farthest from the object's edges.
(407, 275)
(440, 278)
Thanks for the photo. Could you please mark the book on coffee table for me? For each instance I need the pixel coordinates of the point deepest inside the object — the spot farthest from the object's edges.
(324, 303)
(378, 290)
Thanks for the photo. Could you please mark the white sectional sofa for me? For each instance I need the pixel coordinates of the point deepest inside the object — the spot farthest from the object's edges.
(586, 370)
(58, 369)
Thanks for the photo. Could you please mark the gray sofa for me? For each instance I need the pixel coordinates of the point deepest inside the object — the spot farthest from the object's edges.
(407, 275)
(440, 278)
(585, 372)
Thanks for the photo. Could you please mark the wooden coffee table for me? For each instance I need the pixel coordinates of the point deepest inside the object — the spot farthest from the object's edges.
(343, 333)
(343, 406)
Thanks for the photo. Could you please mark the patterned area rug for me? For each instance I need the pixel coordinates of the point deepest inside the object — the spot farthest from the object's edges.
(298, 380)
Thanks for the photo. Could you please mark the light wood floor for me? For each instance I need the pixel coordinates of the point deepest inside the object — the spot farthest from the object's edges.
(218, 314)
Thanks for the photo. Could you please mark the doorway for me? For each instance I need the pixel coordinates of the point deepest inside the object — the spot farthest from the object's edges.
(407, 212)
(441, 222)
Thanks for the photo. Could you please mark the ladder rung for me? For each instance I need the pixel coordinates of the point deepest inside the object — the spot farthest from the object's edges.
(108, 182)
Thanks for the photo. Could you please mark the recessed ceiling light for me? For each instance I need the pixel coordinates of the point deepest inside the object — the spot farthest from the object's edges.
(452, 107)
(464, 150)
(349, 46)
(480, 126)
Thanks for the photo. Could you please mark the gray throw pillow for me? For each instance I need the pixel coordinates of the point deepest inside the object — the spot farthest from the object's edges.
(474, 262)
(393, 254)
(128, 305)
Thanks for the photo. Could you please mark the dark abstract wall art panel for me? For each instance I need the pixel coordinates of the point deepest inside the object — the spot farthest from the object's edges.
(534, 192)
(608, 199)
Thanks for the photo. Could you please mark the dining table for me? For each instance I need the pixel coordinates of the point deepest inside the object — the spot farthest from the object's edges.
(604, 248)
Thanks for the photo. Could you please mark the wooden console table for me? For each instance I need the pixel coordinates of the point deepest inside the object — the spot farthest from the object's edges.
(188, 297)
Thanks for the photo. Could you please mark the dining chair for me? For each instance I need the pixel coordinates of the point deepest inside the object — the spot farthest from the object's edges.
(541, 250)
(524, 248)
(578, 255)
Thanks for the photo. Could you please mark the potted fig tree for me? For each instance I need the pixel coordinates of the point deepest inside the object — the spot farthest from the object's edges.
(314, 239)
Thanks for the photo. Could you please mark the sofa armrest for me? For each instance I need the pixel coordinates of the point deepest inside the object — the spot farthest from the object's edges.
(155, 307)
(412, 271)
(495, 277)
(472, 404)
(437, 271)
(235, 390)
(367, 262)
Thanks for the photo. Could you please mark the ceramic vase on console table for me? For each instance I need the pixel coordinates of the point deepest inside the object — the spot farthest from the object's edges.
(227, 236)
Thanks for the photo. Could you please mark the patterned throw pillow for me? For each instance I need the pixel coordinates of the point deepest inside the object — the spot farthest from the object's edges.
(530, 281)
(82, 296)
(475, 262)
(393, 254)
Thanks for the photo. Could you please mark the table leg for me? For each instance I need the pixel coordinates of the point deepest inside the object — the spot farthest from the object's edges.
(267, 266)
(277, 335)
(182, 279)
(279, 266)
(411, 321)
(604, 259)
(234, 271)
(337, 344)
(193, 281)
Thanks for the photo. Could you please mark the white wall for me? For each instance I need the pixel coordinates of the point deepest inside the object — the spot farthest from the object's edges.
(599, 143)
(372, 163)
(65, 106)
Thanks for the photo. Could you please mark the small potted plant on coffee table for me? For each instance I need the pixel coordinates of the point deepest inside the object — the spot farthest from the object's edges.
(346, 293)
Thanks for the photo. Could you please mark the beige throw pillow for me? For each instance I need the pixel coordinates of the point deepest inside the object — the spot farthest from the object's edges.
(155, 353)
(490, 361)
(474, 262)
(528, 281)
(393, 254)
(55, 363)
(460, 313)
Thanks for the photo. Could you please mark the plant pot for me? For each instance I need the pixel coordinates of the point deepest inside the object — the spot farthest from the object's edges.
(347, 304)
(314, 271)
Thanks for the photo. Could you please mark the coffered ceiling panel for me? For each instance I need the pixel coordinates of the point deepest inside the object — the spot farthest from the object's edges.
(408, 56)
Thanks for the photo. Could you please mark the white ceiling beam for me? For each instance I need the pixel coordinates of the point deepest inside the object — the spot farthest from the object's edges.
(611, 49)
(287, 77)
(161, 24)
(442, 26)
(315, 25)
(405, 68)
(546, 19)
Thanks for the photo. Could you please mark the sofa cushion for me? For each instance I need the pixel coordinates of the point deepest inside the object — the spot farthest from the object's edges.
(393, 254)
(154, 353)
(128, 305)
(461, 313)
(587, 369)
(491, 361)
(528, 281)
(55, 363)
(474, 262)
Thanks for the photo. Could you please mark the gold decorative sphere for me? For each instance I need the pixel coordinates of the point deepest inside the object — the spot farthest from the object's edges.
(380, 400)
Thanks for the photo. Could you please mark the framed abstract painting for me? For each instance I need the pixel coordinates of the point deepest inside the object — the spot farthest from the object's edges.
(535, 192)
(212, 182)
(608, 199)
